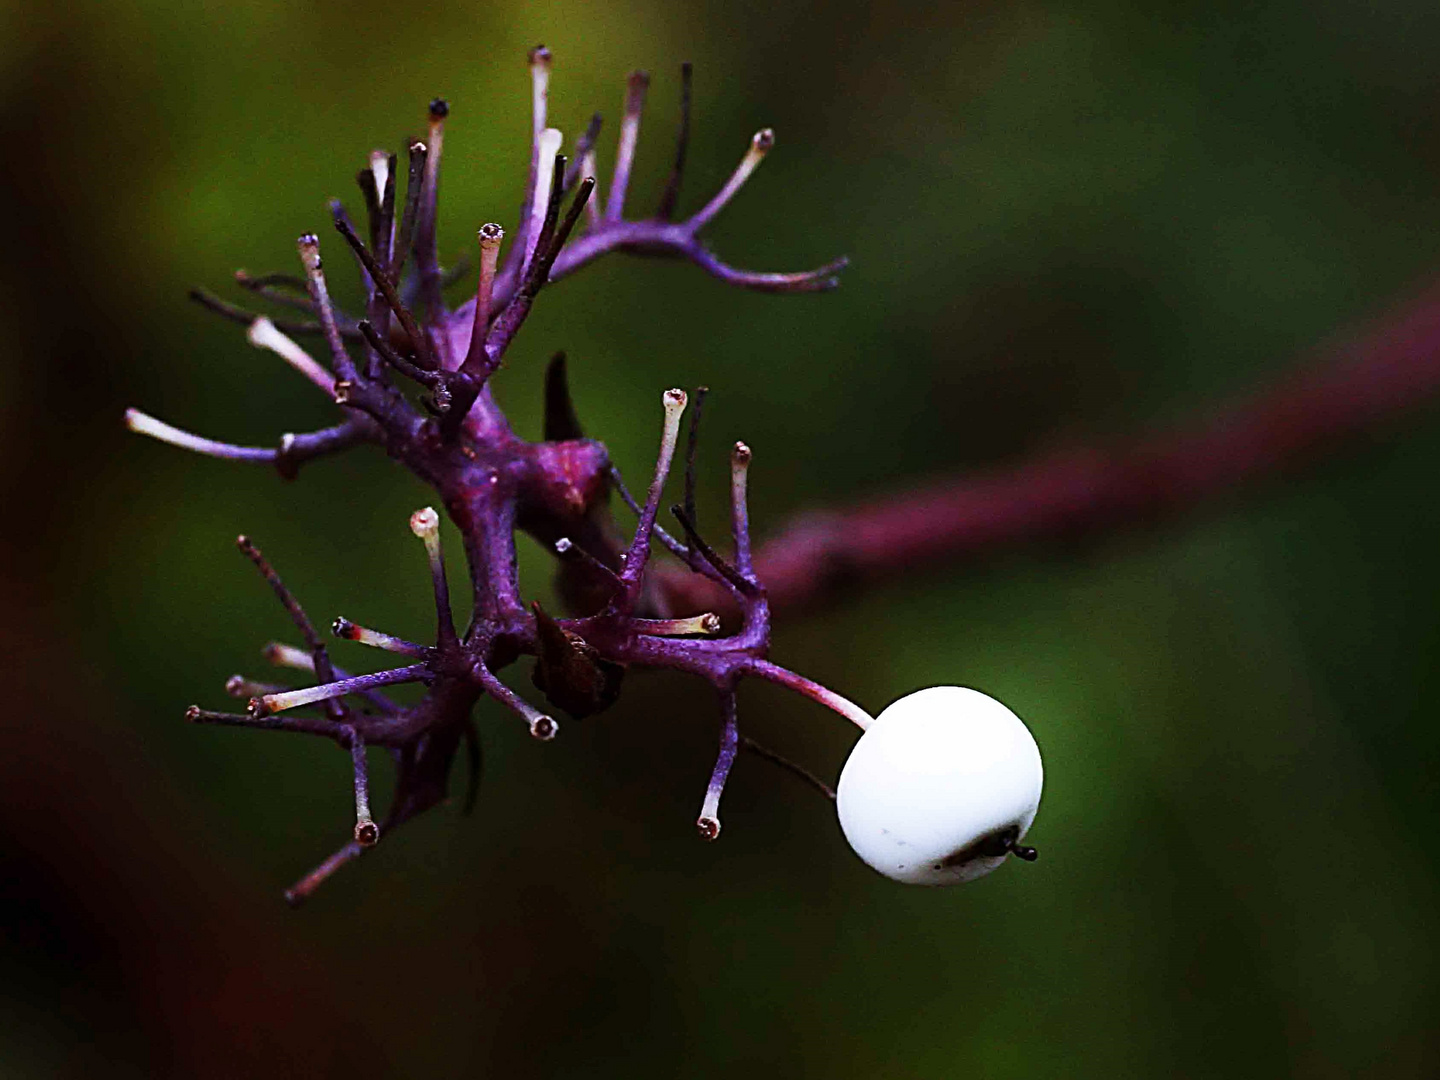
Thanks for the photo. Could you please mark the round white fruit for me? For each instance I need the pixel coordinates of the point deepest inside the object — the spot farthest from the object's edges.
(940, 787)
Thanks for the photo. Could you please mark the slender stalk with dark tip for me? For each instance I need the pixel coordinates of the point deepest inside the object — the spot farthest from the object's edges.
(666, 210)
(709, 821)
(416, 155)
(418, 340)
(367, 833)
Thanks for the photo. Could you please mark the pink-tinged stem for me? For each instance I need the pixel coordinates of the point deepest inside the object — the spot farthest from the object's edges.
(263, 334)
(811, 689)
(344, 628)
(298, 893)
(490, 237)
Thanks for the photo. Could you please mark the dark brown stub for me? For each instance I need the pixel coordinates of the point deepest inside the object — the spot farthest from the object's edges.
(570, 672)
(994, 846)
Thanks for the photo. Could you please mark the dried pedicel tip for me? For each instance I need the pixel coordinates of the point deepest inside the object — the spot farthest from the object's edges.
(708, 823)
(490, 237)
(761, 144)
(344, 628)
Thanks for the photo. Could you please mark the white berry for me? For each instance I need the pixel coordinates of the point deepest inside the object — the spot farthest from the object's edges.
(940, 787)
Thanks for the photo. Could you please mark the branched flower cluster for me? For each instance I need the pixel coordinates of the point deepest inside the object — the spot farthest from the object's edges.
(417, 383)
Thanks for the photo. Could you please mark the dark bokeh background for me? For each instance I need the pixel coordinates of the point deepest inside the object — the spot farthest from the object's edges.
(1068, 221)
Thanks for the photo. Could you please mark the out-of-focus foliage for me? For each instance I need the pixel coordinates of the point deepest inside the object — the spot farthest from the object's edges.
(1068, 221)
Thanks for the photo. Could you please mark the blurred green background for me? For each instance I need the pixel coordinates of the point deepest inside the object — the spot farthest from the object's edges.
(1068, 222)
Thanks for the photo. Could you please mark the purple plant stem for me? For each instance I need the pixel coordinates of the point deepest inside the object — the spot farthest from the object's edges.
(309, 246)
(635, 88)
(304, 725)
(245, 317)
(309, 695)
(739, 509)
(375, 697)
(273, 288)
(583, 145)
(158, 429)
(349, 631)
(638, 554)
(365, 831)
(709, 821)
(662, 238)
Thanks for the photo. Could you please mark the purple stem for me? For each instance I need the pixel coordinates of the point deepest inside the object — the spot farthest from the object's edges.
(293, 699)
(709, 821)
(635, 89)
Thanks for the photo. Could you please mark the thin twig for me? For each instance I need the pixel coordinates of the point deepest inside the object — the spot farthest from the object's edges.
(666, 210)
(245, 316)
(729, 573)
(584, 146)
(747, 743)
(414, 185)
(387, 289)
(424, 376)
(691, 446)
(283, 289)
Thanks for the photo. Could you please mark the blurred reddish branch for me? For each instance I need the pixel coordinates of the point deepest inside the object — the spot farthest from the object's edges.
(1347, 390)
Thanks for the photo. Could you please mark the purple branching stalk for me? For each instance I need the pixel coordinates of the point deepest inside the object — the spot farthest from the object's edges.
(451, 434)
